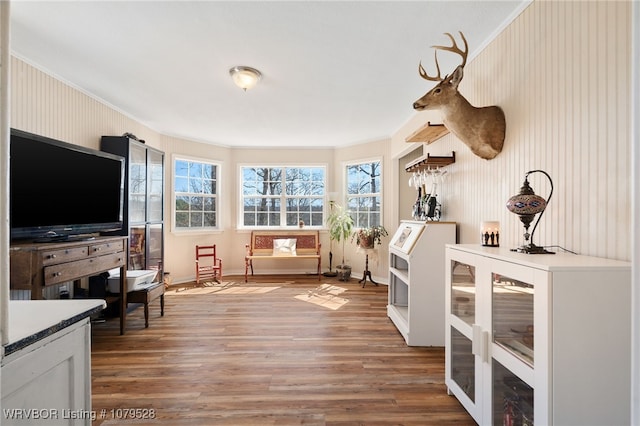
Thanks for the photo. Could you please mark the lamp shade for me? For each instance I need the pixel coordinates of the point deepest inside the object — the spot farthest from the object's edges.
(526, 201)
(526, 204)
(245, 77)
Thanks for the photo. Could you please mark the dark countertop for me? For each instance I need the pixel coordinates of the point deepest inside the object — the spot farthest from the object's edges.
(33, 320)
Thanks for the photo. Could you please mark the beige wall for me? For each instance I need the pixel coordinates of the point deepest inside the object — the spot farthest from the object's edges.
(561, 73)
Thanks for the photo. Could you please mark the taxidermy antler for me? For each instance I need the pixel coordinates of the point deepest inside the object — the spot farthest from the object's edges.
(481, 129)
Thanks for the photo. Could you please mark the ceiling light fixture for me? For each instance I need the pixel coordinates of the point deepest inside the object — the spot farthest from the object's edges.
(245, 77)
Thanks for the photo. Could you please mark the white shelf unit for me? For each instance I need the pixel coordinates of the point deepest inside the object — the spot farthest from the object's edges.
(538, 339)
(416, 280)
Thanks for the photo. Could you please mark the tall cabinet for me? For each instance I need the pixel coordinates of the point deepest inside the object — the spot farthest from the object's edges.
(541, 339)
(416, 280)
(143, 203)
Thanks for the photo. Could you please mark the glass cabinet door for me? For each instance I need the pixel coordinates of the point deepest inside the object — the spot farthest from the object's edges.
(154, 258)
(463, 363)
(137, 248)
(512, 316)
(137, 184)
(463, 291)
(156, 184)
(512, 398)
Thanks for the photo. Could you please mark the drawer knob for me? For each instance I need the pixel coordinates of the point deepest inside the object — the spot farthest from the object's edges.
(57, 274)
(52, 256)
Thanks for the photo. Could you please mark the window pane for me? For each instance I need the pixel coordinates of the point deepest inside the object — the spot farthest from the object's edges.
(209, 219)
(195, 170)
(196, 219)
(196, 203)
(182, 168)
(182, 219)
(208, 186)
(274, 219)
(249, 219)
(292, 219)
(374, 219)
(209, 171)
(209, 204)
(316, 219)
(262, 219)
(181, 184)
(182, 203)
(195, 186)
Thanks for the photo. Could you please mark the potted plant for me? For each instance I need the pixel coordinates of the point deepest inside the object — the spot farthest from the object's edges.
(340, 225)
(368, 238)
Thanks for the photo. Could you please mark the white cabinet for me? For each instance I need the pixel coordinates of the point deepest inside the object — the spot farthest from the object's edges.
(416, 280)
(46, 370)
(538, 338)
(50, 381)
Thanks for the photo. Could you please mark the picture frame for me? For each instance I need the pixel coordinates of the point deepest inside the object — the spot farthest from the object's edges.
(406, 236)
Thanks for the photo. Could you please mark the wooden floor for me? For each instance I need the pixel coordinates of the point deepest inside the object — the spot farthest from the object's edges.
(279, 350)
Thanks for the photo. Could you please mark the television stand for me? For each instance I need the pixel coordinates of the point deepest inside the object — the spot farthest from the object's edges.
(34, 266)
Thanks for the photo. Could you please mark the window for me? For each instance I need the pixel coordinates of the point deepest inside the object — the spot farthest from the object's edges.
(364, 197)
(283, 196)
(196, 194)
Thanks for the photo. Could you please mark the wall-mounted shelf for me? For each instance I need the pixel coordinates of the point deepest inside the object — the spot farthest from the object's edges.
(428, 133)
(430, 161)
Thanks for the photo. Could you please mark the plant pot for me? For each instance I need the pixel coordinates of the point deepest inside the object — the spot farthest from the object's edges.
(344, 272)
(366, 242)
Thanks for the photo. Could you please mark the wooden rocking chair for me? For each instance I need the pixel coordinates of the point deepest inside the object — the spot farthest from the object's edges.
(208, 265)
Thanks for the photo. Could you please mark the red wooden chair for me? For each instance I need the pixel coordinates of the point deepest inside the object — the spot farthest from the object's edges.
(208, 265)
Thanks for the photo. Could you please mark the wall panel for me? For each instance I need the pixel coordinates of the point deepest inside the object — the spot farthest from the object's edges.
(560, 71)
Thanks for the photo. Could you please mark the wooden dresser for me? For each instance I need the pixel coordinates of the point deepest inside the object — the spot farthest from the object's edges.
(37, 265)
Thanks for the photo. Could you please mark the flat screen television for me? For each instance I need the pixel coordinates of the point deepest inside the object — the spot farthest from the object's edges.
(62, 191)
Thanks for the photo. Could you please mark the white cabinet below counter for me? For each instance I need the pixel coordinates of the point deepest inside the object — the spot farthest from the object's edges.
(46, 369)
(538, 338)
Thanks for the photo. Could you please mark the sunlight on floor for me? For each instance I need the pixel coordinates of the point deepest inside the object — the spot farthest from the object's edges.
(223, 288)
(325, 295)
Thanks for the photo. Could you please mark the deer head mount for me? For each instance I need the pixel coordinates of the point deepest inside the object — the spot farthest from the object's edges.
(481, 129)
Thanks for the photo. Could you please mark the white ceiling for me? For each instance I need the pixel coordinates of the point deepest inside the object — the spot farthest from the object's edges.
(334, 73)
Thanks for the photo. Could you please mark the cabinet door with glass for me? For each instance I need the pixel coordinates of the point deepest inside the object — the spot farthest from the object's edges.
(143, 206)
(538, 338)
(465, 346)
(137, 186)
(155, 187)
(515, 291)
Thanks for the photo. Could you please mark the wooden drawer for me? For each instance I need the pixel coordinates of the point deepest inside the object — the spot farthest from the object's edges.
(104, 248)
(55, 274)
(51, 257)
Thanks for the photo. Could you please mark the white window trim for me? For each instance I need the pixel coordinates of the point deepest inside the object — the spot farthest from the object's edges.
(203, 230)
